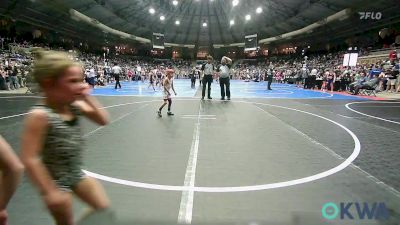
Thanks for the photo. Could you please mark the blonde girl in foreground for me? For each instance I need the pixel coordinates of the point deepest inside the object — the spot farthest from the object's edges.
(52, 142)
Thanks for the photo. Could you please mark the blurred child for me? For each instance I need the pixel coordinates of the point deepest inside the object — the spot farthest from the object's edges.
(52, 143)
(10, 170)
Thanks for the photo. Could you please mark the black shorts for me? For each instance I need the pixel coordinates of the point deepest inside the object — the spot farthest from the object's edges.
(90, 80)
(207, 78)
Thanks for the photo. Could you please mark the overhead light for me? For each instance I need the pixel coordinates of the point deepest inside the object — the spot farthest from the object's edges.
(204, 24)
(259, 10)
(177, 22)
(152, 11)
(175, 2)
(162, 17)
(231, 22)
(248, 17)
(235, 3)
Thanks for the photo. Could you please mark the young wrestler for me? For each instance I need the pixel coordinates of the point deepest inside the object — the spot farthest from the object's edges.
(168, 85)
(52, 143)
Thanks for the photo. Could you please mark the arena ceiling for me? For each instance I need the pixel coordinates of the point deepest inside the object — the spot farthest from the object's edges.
(134, 17)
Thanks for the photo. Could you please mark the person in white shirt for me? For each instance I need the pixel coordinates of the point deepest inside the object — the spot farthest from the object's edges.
(313, 78)
(116, 71)
(224, 77)
(91, 77)
(269, 75)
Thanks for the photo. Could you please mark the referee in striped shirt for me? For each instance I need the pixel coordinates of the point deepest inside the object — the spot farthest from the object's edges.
(208, 72)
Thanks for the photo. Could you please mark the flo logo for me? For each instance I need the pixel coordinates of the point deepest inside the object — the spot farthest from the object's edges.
(355, 210)
(370, 15)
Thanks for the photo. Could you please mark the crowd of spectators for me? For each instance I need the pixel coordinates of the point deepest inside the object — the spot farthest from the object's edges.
(318, 71)
(323, 72)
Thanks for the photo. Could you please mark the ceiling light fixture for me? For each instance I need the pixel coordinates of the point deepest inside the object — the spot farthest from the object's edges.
(175, 2)
(152, 11)
(177, 22)
(259, 10)
(204, 24)
(162, 17)
(231, 22)
(248, 17)
(235, 3)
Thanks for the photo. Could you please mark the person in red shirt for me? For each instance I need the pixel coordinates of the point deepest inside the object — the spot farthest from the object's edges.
(130, 74)
(392, 55)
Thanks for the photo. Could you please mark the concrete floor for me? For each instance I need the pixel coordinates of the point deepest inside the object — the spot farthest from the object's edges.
(248, 144)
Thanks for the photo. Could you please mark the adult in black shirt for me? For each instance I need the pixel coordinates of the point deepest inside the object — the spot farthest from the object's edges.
(208, 70)
(345, 81)
(193, 78)
(2, 80)
(13, 78)
(269, 74)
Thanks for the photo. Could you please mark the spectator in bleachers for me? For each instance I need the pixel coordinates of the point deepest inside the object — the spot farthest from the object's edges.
(391, 79)
(359, 82)
(392, 55)
(91, 76)
(371, 84)
(117, 72)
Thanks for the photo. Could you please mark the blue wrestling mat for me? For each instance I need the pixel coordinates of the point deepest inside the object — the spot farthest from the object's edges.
(239, 89)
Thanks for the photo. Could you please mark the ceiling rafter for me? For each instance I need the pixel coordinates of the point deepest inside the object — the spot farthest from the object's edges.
(279, 16)
(224, 14)
(181, 9)
(189, 27)
(199, 25)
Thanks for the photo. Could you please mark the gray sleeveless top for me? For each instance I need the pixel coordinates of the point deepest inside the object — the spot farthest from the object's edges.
(63, 146)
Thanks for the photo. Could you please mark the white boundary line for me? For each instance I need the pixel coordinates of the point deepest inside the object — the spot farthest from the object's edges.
(379, 106)
(281, 92)
(113, 121)
(375, 117)
(330, 151)
(343, 165)
(183, 117)
(21, 96)
(16, 115)
(199, 115)
(334, 154)
(198, 98)
(184, 98)
(186, 205)
(106, 107)
(336, 169)
(348, 117)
